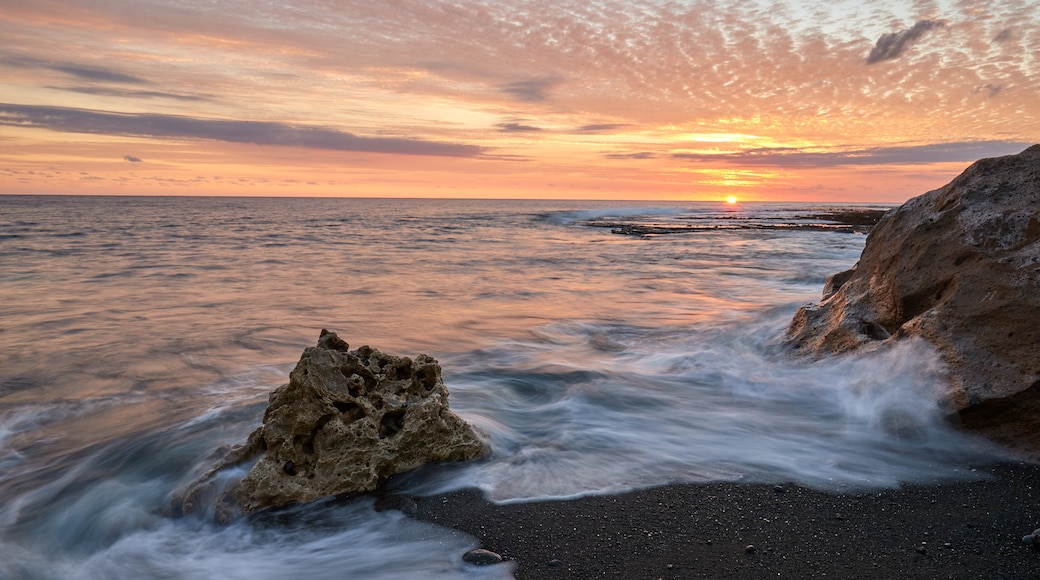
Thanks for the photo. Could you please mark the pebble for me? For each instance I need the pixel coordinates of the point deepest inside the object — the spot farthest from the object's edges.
(779, 489)
(482, 557)
(749, 549)
(1033, 539)
(554, 563)
(289, 468)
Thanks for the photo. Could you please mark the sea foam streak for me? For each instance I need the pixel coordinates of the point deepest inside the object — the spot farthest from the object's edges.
(589, 408)
(140, 335)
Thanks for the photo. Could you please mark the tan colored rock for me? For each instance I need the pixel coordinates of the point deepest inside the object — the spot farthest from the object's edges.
(345, 421)
(960, 267)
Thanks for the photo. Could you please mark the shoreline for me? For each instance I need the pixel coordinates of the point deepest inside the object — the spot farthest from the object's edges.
(965, 529)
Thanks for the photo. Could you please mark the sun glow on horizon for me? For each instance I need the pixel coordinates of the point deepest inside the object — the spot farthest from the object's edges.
(731, 199)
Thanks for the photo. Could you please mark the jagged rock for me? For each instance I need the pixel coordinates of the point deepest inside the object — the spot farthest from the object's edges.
(959, 267)
(345, 421)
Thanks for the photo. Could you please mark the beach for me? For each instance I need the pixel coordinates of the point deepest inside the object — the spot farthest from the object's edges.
(731, 530)
(631, 386)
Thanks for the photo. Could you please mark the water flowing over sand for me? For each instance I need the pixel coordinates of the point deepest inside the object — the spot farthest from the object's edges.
(138, 335)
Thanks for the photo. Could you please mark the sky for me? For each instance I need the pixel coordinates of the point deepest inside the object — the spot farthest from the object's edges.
(839, 100)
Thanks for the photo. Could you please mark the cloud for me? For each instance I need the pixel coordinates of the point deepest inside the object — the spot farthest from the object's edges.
(89, 73)
(257, 133)
(601, 127)
(965, 151)
(636, 155)
(132, 159)
(110, 92)
(893, 44)
(516, 128)
(97, 74)
(1004, 35)
(991, 88)
(533, 90)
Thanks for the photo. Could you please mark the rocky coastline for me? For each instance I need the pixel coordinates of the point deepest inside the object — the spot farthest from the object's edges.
(960, 268)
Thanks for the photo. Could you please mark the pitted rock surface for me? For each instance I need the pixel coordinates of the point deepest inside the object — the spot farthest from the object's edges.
(345, 421)
(960, 267)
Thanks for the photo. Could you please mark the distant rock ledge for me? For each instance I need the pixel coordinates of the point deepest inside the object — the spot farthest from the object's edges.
(345, 422)
(959, 267)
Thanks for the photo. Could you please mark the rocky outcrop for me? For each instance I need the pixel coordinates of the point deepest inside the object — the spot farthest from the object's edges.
(959, 267)
(345, 421)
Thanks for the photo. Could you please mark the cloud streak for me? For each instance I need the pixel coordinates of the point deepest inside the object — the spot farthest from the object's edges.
(130, 94)
(80, 71)
(517, 128)
(97, 74)
(257, 133)
(893, 44)
(533, 90)
(793, 157)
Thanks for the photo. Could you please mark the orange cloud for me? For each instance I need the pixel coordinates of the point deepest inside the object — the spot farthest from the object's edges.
(532, 98)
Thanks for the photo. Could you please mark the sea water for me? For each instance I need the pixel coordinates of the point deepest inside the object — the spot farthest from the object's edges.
(139, 335)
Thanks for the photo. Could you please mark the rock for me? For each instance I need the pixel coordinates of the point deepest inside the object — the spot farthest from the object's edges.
(482, 557)
(1033, 539)
(959, 267)
(346, 421)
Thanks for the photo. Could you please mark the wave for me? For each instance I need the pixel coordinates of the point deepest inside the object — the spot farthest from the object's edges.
(585, 215)
(583, 408)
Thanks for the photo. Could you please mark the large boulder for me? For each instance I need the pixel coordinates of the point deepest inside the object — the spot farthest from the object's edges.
(345, 421)
(959, 267)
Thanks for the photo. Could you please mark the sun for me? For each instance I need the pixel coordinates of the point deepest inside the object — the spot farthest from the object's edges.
(731, 199)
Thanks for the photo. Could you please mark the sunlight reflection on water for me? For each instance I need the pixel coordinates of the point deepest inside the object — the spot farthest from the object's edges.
(138, 335)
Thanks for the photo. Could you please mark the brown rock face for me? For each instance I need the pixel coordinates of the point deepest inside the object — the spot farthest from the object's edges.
(345, 421)
(959, 267)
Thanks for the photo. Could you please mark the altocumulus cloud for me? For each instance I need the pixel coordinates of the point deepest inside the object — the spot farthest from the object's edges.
(256, 133)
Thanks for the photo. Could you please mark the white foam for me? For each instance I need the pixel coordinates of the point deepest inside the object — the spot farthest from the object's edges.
(569, 418)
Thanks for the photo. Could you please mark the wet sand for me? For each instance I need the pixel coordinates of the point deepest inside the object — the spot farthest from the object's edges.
(968, 529)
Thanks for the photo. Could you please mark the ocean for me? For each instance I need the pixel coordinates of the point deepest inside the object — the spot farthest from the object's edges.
(139, 335)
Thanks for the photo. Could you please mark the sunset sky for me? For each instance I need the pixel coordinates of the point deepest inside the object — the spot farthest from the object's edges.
(594, 99)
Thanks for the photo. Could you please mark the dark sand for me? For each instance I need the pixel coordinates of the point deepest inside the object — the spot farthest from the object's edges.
(968, 529)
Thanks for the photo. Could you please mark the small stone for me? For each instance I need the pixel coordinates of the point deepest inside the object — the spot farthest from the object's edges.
(779, 489)
(749, 549)
(921, 549)
(554, 563)
(670, 566)
(482, 557)
(289, 468)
